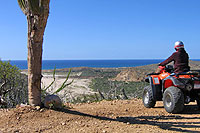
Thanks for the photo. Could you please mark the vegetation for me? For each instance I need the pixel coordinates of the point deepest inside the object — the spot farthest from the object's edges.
(13, 85)
(15, 90)
(113, 89)
(103, 85)
(51, 100)
(109, 73)
(110, 90)
(64, 84)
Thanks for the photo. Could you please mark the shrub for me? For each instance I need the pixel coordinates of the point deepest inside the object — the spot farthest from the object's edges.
(113, 89)
(13, 85)
(52, 100)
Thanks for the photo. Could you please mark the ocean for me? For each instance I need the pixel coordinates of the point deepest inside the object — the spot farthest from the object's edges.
(50, 64)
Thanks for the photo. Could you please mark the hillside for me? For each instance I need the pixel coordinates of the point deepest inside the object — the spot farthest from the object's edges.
(138, 73)
(134, 74)
(121, 116)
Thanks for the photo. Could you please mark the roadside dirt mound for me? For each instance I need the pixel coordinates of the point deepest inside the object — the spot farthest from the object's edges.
(102, 117)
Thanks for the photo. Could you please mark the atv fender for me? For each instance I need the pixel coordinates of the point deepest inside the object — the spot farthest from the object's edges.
(156, 89)
(171, 81)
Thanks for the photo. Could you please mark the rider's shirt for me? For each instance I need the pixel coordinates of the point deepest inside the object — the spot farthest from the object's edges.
(180, 59)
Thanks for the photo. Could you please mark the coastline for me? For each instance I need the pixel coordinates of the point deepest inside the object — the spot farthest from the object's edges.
(83, 77)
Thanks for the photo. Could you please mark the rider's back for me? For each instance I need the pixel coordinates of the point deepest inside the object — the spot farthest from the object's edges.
(181, 63)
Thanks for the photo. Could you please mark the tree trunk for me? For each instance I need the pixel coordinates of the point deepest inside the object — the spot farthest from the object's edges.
(36, 27)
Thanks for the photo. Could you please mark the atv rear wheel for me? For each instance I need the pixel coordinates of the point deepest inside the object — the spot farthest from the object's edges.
(147, 97)
(173, 100)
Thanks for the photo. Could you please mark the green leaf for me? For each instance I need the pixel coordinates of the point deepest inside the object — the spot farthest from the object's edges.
(54, 78)
(64, 83)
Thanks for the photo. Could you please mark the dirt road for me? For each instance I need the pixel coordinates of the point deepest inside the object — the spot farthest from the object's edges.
(121, 116)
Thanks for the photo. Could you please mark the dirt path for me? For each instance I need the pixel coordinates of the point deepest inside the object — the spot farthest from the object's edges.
(127, 116)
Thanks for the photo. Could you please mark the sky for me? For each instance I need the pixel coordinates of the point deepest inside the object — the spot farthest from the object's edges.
(105, 29)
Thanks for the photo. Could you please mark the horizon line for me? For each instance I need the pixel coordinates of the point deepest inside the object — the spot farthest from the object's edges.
(88, 59)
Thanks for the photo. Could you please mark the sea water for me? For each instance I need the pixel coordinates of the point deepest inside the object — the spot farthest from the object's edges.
(50, 64)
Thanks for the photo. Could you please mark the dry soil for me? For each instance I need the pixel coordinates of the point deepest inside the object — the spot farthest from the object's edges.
(120, 116)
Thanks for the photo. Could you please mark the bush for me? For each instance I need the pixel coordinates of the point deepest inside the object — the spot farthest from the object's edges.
(114, 88)
(13, 85)
(52, 100)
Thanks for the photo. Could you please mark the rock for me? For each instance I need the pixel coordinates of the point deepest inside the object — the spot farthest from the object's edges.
(17, 131)
(63, 123)
(37, 107)
(41, 110)
(52, 101)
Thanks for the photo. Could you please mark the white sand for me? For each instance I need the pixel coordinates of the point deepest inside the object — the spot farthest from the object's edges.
(77, 88)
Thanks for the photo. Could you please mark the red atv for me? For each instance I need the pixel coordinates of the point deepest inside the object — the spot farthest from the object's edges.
(174, 90)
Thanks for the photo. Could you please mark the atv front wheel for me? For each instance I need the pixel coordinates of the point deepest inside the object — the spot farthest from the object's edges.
(147, 97)
(173, 100)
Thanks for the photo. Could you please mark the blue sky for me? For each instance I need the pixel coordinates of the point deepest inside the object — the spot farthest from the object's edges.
(105, 29)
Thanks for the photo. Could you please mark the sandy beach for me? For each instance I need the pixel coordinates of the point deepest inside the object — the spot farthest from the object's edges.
(77, 88)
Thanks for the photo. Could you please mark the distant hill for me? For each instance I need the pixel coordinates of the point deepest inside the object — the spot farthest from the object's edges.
(118, 74)
(138, 73)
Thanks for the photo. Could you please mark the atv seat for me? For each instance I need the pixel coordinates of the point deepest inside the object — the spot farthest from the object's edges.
(186, 73)
(183, 73)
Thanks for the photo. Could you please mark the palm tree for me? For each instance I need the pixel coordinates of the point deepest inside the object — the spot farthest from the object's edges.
(37, 12)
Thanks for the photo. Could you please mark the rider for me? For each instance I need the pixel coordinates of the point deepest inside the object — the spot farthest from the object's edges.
(180, 58)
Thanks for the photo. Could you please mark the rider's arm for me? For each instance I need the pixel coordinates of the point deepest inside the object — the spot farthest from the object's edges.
(168, 60)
